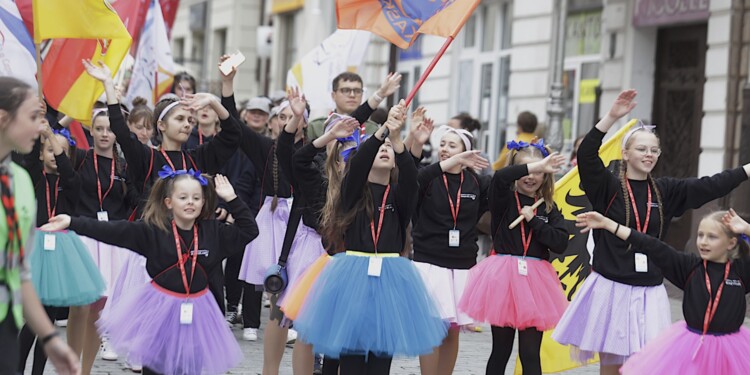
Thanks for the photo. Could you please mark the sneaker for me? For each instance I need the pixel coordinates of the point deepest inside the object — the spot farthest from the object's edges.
(61, 323)
(231, 317)
(291, 336)
(266, 301)
(250, 334)
(134, 368)
(106, 352)
(318, 366)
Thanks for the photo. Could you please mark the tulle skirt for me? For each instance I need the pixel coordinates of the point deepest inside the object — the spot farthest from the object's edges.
(498, 294)
(65, 275)
(306, 249)
(146, 328)
(446, 287)
(109, 259)
(298, 291)
(350, 312)
(264, 250)
(613, 319)
(132, 276)
(679, 351)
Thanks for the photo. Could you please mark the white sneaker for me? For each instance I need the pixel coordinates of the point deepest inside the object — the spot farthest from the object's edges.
(250, 334)
(106, 352)
(291, 336)
(61, 323)
(134, 368)
(266, 301)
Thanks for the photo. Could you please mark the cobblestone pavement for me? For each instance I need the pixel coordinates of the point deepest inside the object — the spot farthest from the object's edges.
(472, 358)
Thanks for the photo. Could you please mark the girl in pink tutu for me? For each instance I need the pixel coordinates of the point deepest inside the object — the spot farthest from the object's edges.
(173, 324)
(517, 289)
(711, 339)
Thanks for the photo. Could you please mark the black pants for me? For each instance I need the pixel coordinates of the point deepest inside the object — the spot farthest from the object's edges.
(232, 283)
(252, 302)
(529, 342)
(148, 371)
(9, 345)
(26, 339)
(330, 366)
(361, 365)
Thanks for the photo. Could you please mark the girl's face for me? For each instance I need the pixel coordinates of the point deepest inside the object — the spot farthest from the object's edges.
(642, 152)
(450, 145)
(186, 201)
(386, 158)
(142, 130)
(21, 132)
(183, 88)
(104, 139)
(531, 183)
(713, 242)
(47, 156)
(176, 126)
(207, 116)
(274, 124)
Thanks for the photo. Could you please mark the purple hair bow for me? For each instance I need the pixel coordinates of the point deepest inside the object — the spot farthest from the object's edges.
(167, 172)
(65, 133)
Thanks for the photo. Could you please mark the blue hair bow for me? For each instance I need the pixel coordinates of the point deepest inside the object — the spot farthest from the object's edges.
(540, 145)
(358, 137)
(518, 146)
(745, 238)
(65, 133)
(513, 145)
(167, 172)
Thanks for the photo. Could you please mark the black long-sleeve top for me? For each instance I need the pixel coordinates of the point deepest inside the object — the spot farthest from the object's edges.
(64, 198)
(433, 218)
(604, 191)
(120, 200)
(144, 162)
(547, 229)
(687, 272)
(260, 150)
(400, 203)
(216, 241)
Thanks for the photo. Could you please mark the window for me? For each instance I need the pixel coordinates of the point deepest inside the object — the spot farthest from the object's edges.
(179, 50)
(470, 31)
(465, 74)
(489, 20)
(220, 41)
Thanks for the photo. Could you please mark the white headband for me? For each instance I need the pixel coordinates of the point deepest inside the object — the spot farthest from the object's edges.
(166, 110)
(97, 112)
(638, 127)
(465, 136)
(285, 103)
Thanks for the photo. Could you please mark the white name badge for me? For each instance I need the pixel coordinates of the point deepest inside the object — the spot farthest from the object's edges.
(454, 238)
(375, 266)
(102, 216)
(641, 262)
(186, 313)
(49, 242)
(523, 269)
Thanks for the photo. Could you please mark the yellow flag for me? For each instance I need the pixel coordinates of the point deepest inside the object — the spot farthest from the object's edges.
(76, 19)
(574, 264)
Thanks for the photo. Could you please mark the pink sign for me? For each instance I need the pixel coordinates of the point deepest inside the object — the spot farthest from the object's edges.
(665, 12)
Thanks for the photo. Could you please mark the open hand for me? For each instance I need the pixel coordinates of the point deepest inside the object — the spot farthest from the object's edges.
(99, 71)
(737, 224)
(624, 103)
(591, 220)
(227, 77)
(297, 101)
(56, 223)
(391, 83)
(224, 189)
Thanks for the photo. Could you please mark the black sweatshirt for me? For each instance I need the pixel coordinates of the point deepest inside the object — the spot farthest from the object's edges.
(604, 191)
(144, 162)
(119, 202)
(62, 200)
(433, 218)
(216, 241)
(260, 150)
(400, 204)
(686, 271)
(548, 232)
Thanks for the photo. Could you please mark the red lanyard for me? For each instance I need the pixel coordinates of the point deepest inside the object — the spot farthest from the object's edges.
(635, 209)
(51, 209)
(376, 235)
(525, 241)
(713, 305)
(169, 161)
(181, 260)
(454, 211)
(99, 182)
(200, 136)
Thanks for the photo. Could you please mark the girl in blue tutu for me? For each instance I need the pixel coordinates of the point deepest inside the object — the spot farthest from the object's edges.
(711, 339)
(173, 325)
(369, 304)
(62, 270)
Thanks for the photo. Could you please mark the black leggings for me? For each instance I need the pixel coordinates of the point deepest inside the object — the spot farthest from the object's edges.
(148, 371)
(361, 365)
(330, 366)
(26, 340)
(529, 342)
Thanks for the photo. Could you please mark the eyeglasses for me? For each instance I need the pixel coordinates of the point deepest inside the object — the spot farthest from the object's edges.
(350, 91)
(643, 150)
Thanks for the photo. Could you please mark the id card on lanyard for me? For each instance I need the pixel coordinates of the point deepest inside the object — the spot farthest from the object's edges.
(102, 215)
(186, 308)
(523, 268)
(375, 266)
(454, 235)
(641, 260)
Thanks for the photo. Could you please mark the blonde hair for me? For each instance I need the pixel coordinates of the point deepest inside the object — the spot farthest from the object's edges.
(742, 248)
(623, 185)
(156, 212)
(547, 190)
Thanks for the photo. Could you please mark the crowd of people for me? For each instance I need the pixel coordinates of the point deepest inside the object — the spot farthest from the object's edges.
(166, 232)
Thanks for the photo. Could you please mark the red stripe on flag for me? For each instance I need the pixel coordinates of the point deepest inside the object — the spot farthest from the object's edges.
(62, 66)
(76, 130)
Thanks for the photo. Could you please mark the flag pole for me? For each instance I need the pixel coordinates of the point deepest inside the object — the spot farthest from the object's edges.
(39, 68)
(428, 70)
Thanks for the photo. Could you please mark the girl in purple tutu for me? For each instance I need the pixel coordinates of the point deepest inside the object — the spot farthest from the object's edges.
(623, 304)
(517, 288)
(173, 325)
(711, 339)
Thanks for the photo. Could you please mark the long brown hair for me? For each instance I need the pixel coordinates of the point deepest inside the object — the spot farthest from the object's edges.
(623, 185)
(156, 213)
(547, 189)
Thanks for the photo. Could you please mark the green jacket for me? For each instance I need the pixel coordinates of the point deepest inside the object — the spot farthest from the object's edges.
(12, 274)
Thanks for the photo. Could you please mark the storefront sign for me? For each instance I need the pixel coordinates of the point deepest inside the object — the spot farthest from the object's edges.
(666, 12)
